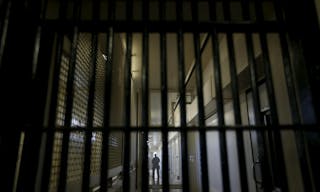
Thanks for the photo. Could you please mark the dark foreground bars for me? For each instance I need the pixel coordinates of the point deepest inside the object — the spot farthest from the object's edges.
(68, 103)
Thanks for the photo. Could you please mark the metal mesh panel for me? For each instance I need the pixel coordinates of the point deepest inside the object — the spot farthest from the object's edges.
(79, 111)
(75, 158)
(55, 167)
(96, 154)
(57, 145)
(98, 114)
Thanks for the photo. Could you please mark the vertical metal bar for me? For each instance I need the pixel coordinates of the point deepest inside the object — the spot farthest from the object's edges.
(305, 167)
(287, 66)
(53, 103)
(252, 66)
(68, 117)
(69, 101)
(90, 112)
(201, 115)
(236, 102)
(107, 111)
(239, 133)
(127, 140)
(145, 98)
(281, 169)
(182, 92)
(268, 177)
(216, 67)
(268, 181)
(126, 161)
(42, 14)
(164, 101)
(255, 93)
(90, 107)
(219, 100)
(233, 68)
(107, 102)
(220, 112)
(27, 173)
(4, 31)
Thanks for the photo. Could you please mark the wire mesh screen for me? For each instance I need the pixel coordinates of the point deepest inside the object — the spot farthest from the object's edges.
(164, 95)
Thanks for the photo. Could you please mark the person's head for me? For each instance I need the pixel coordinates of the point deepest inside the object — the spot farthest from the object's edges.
(155, 155)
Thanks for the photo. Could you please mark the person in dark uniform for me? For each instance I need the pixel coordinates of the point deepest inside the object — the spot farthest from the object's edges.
(155, 165)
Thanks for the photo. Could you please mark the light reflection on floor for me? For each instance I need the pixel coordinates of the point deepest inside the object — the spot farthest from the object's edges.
(155, 185)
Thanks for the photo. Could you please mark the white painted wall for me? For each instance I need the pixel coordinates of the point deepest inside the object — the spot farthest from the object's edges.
(213, 147)
(283, 107)
(247, 144)
(155, 108)
(282, 100)
(214, 163)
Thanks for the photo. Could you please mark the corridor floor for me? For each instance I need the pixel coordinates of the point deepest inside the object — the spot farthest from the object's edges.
(155, 185)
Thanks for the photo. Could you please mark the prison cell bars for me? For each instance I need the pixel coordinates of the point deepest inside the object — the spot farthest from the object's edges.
(199, 85)
(53, 102)
(273, 107)
(264, 140)
(107, 100)
(164, 100)
(4, 30)
(128, 93)
(252, 67)
(25, 169)
(306, 170)
(69, 99)
(42, 14)
(219, 97)
(145, 97)
(127, 120)
(253, 74)
(90, 107)
(65, 152)
(182, 93)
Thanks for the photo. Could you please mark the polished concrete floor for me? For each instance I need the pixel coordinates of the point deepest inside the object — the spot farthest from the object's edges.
(155, 184)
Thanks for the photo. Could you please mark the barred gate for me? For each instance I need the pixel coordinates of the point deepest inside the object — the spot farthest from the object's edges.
(228, 87)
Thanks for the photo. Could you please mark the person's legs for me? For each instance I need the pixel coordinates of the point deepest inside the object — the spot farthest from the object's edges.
(158, 173)
(153, 169)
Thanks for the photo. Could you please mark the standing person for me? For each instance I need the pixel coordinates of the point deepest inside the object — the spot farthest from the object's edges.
(155, 165)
